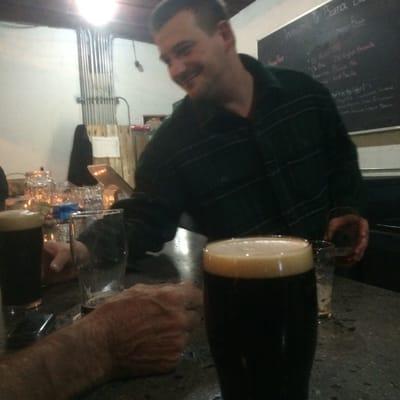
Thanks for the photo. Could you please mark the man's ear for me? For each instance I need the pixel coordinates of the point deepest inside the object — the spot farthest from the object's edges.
(225, 30)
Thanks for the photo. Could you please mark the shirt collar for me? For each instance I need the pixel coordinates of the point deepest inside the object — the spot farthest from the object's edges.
(264, 82)
(260, 73)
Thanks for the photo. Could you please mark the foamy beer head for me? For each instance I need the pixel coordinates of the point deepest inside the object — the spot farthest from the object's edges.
(19, 220)
(258, 257)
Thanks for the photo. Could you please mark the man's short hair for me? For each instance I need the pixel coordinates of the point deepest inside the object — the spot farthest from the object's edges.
(207, 13)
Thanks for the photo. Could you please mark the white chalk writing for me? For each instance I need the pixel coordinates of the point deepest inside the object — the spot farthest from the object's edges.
(333, 11)
(358, 2)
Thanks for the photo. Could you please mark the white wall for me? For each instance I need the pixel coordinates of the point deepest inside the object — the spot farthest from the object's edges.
(38, 111)
(39, 84)
(266, 16)
(147, 92)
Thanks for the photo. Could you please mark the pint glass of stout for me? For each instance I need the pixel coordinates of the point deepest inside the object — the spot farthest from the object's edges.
(21, 242)
(261, 312)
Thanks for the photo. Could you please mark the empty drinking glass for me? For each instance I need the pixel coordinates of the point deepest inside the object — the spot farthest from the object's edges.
(99, 252)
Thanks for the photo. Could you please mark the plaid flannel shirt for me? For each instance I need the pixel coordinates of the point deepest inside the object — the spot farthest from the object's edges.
(279, 171)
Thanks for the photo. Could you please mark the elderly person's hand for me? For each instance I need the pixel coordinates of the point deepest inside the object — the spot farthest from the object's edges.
(141, 331)
(147, 327)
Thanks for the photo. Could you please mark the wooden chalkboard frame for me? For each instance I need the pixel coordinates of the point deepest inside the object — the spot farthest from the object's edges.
(300, 42)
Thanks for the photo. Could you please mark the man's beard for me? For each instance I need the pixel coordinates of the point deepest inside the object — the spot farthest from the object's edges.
(207, 93)
(184, 76)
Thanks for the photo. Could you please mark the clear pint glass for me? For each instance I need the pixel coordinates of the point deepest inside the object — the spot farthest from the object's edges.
(261, 313)
(101, 267)
(324, 264)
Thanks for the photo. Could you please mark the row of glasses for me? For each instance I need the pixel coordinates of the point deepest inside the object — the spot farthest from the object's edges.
(89, 198)
(65, 200)
(42, 192)
(86, 197)
(39, 189)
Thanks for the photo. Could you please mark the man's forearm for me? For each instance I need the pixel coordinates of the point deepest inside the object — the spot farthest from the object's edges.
(58, 367)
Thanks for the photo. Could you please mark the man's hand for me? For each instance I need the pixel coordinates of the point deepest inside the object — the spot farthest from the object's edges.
(355, 228)
(147, 327)
(57, 263)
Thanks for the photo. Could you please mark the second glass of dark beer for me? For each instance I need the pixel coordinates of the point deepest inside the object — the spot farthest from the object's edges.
(261, 316)
(21, 242)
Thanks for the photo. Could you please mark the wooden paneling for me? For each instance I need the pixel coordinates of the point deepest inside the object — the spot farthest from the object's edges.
(129, 144)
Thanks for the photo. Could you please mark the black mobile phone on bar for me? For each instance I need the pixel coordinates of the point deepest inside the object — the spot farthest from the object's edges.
(33, 326)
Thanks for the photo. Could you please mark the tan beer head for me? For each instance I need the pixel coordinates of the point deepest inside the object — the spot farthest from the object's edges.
(258, 257)
(19, 220)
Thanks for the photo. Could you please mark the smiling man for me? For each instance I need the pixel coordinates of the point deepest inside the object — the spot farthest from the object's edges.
(250, 150)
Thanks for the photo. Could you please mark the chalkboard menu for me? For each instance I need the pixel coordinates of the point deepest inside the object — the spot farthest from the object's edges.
(353, 48)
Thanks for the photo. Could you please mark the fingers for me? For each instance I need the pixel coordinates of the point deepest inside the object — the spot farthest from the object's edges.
(148, 326)
(61, 254)
(351, 223)
(56, 255)
(338, 223)
(363, 237)
(60, 260)
(170, 307)
(51, 247)
(181, 294)
(182, 322)
(165, 299)
(193, 320)
(192, 297)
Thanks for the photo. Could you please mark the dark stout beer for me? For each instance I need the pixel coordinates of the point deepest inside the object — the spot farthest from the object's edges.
(261, 308)
(21, 243)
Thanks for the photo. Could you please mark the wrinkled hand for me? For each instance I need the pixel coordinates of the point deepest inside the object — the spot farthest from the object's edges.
(57, 261)
(147, 327)
(357, 227)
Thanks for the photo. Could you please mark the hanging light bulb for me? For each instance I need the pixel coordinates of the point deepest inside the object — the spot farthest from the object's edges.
(97, 12)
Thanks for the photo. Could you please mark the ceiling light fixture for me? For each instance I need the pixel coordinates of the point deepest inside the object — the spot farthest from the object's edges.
(97, 12)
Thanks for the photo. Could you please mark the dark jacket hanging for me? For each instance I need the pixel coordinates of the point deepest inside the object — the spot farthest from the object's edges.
(81, 157)
(3, 189)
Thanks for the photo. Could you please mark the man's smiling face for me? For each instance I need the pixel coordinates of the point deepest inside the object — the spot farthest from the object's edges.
(195, 58)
